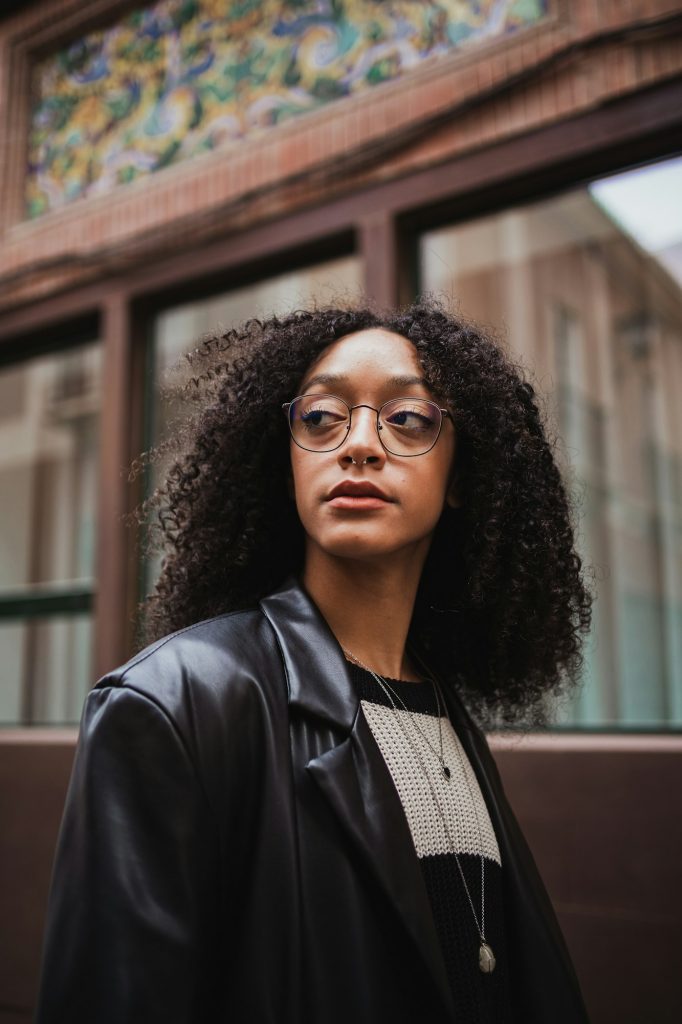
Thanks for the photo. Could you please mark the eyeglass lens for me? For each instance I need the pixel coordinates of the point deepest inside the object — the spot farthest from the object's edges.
(409, 426)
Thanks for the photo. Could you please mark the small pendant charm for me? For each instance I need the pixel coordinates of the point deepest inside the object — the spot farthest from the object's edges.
(446, 770)
(486, 960)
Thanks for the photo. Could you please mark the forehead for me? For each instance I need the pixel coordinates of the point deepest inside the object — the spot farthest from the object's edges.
(375, 350)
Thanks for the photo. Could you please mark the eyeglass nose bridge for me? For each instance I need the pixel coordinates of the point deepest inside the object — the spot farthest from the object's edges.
(377, 422)
(349, 425)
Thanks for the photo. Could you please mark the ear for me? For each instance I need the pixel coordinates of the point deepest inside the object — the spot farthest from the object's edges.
(452, 499)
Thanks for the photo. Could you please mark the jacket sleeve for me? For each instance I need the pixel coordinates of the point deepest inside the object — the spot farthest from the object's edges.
(130, 923)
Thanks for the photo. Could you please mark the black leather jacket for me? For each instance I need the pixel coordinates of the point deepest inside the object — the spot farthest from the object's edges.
(233, 848)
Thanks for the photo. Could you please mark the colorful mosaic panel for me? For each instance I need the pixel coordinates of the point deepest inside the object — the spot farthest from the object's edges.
(180, 77)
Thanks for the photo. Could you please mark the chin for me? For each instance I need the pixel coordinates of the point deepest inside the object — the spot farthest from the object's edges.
(358, 552)
(361, 544)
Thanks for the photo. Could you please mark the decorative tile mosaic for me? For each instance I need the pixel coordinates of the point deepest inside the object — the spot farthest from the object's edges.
(180, 77)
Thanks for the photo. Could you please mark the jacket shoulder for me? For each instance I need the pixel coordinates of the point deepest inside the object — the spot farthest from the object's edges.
(216, 659)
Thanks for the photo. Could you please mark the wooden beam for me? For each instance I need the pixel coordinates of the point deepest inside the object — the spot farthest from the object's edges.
(378, 246)
(111, 604)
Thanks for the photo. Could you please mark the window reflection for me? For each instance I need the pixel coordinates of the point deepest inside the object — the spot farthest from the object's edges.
(597, 314)
(49, 455)
(49, 436)
(46, 669)
(178, 330)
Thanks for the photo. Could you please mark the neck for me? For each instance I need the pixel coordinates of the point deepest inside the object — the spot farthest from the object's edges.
(368, 606)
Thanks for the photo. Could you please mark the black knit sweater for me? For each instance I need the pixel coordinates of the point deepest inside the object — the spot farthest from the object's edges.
(479, 998)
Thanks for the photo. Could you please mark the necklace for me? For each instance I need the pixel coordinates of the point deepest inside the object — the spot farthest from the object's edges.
(486, 958)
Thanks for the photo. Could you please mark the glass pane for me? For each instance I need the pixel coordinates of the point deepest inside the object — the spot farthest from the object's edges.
(46, 670)
(177, 331)
(178, 328)
(49, 439)
(587, 287)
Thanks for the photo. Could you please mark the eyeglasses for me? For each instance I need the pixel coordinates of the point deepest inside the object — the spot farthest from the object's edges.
(406, 426)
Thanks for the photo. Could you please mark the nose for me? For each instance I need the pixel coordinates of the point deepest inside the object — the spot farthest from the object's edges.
(362, 442)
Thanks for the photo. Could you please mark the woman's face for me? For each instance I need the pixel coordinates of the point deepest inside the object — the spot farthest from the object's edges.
(371, 367)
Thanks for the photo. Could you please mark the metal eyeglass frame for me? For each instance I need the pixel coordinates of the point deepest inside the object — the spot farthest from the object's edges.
(286, 409)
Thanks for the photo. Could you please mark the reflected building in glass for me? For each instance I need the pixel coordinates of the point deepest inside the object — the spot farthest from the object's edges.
(49, 462)
(598, 320)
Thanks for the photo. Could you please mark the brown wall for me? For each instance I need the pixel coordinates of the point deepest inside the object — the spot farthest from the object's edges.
(602, 817)
(605, 834)
(34, 771)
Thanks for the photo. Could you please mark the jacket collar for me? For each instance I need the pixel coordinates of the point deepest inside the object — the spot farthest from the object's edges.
(313, 655)
(317, 676)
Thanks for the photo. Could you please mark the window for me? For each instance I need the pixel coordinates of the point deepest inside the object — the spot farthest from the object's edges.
(49, 438)
(177, 330)
(587, 287)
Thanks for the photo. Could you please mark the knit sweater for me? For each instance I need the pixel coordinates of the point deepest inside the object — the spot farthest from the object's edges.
(479, 998)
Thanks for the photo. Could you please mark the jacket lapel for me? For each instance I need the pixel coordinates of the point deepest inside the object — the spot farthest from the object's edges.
(355, 780)
(352, 776)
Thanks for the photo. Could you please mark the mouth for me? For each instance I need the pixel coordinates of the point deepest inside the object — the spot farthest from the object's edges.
(357, 495)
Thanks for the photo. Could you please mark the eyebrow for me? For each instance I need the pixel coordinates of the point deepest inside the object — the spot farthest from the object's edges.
(334, 379)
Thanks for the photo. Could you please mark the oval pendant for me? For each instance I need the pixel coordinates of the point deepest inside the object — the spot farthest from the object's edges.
(486, 960)
(446, 771)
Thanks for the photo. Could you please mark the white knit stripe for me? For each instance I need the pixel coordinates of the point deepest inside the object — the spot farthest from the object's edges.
(423, 817)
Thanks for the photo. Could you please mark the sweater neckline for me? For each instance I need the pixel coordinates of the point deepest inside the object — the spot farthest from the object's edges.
(389, 679)
(414, 696)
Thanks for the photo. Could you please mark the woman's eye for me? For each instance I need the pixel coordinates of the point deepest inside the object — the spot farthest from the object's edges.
(315, 418)
(410, 419)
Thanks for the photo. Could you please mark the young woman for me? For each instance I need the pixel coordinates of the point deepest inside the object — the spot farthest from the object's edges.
(284, 808)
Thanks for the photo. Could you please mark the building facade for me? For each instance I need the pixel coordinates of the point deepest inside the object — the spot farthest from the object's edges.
(178, 166)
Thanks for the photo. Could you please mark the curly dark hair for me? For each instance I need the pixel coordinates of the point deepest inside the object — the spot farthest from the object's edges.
(502, 600)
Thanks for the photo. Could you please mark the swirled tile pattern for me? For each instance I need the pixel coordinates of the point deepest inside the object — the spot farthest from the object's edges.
(181, 77)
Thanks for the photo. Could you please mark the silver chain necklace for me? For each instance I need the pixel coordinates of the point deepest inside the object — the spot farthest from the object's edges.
(486, 958)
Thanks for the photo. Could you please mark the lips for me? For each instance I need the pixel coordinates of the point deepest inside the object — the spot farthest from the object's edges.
(357, 489)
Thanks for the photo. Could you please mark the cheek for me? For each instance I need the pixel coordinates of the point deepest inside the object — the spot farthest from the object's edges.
(295, 482)
(303, 476)
(426, 487)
